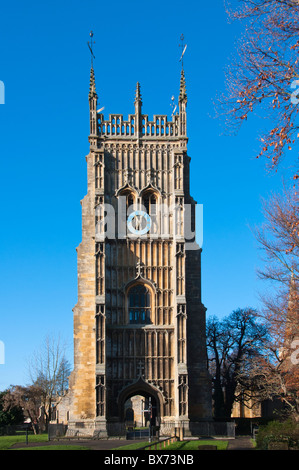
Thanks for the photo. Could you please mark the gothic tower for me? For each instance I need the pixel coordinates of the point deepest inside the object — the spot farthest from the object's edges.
(139, 324)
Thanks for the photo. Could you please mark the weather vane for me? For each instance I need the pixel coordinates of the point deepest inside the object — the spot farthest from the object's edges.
(184, 47)
(90, 45)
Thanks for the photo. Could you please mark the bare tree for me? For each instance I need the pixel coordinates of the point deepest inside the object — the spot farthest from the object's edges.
(49, 371)
(232, 343)
(263, 77)
(276, 374)
(278, 237)
(27, 398)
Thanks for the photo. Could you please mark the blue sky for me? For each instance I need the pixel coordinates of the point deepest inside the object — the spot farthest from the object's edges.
(44, 125)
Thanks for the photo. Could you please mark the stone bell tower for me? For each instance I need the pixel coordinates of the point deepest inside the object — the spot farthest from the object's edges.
(139, 323)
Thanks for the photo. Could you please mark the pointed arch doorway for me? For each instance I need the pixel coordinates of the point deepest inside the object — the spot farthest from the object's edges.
(150, 403)
(141, 411)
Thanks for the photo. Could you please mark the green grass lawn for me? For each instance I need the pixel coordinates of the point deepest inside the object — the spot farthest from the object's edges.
(54, 447)
(193, 445)
(7, 441)
(185, 445)
(135, 446)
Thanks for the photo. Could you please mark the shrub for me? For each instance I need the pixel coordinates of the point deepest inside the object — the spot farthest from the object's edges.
(276, 431)
(14, 415)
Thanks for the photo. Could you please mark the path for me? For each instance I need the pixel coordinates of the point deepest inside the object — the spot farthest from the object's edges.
(240, 443)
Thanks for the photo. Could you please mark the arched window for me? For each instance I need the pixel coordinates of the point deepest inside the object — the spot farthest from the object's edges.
(126, 205)
(130, 204)
(150, 203)
(139, 304)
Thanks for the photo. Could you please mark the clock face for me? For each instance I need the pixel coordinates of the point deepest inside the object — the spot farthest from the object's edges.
(139, 223)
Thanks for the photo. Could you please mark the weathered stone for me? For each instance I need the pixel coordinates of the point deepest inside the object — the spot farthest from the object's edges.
(153, 346)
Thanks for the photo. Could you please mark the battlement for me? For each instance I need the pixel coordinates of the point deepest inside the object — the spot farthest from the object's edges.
(159, 127)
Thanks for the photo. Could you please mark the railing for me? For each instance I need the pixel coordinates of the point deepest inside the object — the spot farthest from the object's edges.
(159, 127)
(214, 428)
(208, 429)
(12, 430)
(138, 433)
(158, 445)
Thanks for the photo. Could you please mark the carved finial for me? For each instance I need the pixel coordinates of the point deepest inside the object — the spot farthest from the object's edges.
(138, 94)
(138, 112)
(183, 92)
(93, 99)
(138, 100)
(92, 85)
